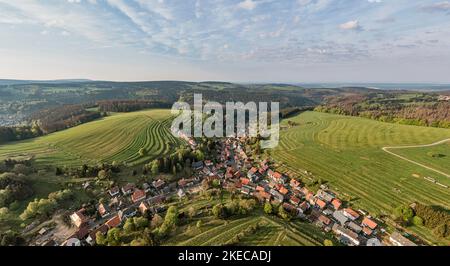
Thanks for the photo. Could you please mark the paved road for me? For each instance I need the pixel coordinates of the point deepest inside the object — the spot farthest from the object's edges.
(386, 149)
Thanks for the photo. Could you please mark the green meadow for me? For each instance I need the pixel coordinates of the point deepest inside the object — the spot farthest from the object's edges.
(347, 153)
(115, 138)
(437, 157)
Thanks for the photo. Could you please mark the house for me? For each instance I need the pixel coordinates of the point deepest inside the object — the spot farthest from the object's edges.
(72, 242)
(321, 204)
(81, 233)
(263, 196)
(294, 200)
(138, 195)
(209, 163)
(369, 223)
(354, 227)
(324, 220)
(289, 208)
(245, 181)
(244, 190)
(157, 199)
(114, 222)
(128, 189)
(277, 195)
(252, 172)
(351, 214)
(146, 187)
(197, 165)
(276, 176)
(294, 183)
(367, 231)
(398, 240)
(78, 218)
(260, 188)
(283, 190)
(310, 198)
(349, 235)
(303, 207)
(325, 195)
(373, 242)
(86, 185)
(158, 184)
(103, 210)
(336, 203)
(144, 207)
(92, 237)
(340, 217)
(127, 213)
(181, 193)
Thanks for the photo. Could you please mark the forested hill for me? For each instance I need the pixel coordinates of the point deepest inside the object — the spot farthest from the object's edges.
(21, 99)
(412, 108)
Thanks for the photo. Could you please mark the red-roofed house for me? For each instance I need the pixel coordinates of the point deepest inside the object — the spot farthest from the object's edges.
(114, 222)
(294, 183)
(322, 204)
(283, 190)
(336, 204)
(295, 201)
(138, 195)
(351, 214)
(276, 176)
(324, 220)
(369, 223)
(245, 181)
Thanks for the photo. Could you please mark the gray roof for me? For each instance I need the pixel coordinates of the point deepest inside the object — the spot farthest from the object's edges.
(355, 227)
(340, 217)
(374, 242)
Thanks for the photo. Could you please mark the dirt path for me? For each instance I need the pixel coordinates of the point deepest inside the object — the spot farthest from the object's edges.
(386, 149)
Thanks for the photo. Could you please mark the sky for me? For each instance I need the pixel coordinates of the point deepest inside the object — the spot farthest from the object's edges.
(227, 40)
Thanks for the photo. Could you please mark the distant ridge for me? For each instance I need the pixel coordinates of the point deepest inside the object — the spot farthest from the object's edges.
(58, 81)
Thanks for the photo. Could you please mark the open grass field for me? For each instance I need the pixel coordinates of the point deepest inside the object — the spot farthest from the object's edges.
(115, 138)
(437, 157)
(347, 152)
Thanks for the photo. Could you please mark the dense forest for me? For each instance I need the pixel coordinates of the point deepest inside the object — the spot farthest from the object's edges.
(130, 105)
(421, 109)
(59, 118)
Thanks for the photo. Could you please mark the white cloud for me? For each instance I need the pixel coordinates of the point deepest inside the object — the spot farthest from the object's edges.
(438, 7)
(247, 4)
(350, 25)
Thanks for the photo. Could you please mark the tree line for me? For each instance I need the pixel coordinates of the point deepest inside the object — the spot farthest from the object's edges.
(130, 105)
(420, 110)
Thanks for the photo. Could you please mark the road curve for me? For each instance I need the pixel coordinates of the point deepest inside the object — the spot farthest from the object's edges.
(386, 149)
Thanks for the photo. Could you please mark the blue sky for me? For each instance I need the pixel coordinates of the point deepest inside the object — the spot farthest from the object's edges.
(230, 40)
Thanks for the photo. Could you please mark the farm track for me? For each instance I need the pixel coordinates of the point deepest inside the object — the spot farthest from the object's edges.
(387, 149)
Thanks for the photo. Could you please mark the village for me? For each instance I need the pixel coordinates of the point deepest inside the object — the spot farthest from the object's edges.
(235, 171)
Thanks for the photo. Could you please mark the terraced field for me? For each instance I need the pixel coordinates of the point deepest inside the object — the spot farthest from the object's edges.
(271, 232)
(346, 152)
(115, 138)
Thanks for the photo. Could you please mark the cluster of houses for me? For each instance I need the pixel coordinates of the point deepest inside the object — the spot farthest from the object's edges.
(322, 208)
(125, 202)
(235, 171)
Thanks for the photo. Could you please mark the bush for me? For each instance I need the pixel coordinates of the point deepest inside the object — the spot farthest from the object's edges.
(417, 221)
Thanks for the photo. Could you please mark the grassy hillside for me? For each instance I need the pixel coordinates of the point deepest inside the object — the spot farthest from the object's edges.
(272, 231)
(346, 152)
(115, 138)
(437, 157)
